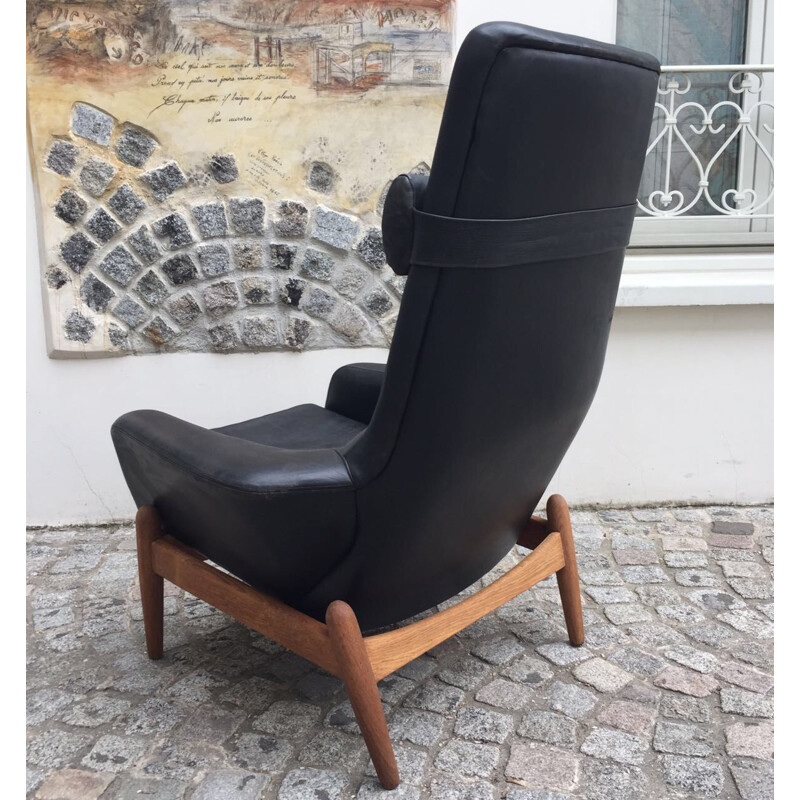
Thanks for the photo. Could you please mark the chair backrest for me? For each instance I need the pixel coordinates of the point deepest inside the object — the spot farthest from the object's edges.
(492, 371)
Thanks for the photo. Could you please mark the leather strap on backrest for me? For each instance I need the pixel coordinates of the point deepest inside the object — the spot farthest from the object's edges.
(412, 236)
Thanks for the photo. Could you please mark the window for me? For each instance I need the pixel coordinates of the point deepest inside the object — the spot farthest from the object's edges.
(709, 172)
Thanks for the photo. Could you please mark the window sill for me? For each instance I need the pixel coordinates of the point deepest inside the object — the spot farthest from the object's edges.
(697, 280)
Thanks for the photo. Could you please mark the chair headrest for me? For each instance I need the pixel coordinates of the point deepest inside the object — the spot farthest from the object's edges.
(405, 194)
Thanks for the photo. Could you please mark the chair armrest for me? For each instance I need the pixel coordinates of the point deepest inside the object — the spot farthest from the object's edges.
(354, 390)
(213, 457)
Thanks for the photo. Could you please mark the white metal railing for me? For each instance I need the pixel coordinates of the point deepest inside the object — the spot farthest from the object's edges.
(711, 152)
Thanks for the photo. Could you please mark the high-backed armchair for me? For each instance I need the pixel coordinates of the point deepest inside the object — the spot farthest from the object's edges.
(415, 479)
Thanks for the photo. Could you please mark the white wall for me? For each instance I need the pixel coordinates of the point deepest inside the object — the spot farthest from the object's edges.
(684, 412)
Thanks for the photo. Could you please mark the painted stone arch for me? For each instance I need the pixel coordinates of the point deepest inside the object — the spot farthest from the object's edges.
(156, 256)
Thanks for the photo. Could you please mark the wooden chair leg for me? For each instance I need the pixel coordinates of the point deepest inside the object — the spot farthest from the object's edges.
(151, 585)
(568, 584)
(362, 688)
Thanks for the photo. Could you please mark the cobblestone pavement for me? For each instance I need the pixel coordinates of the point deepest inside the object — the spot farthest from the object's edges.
(670, 697)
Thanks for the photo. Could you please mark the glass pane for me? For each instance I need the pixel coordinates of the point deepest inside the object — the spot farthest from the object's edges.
(684, 31)
(689, 32)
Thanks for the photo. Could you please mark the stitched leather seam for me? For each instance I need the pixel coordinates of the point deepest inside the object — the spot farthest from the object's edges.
(242, 490)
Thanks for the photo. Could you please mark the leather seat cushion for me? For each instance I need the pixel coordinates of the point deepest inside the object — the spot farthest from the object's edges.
(304, 427)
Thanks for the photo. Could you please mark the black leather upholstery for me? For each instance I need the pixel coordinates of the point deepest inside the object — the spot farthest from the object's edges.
(416, 479)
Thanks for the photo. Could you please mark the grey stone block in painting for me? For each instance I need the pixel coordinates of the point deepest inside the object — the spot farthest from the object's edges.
(158, 332)
(180, 269)
(219, 298)
(62, 157)
(378, 303)
(223, 168)
(173, 231)
(102, 226)
(258, 291)
(291, 218)
(370, 248)
(292, 290)
(96, 175)
(70, 207)
(223, 337)
(134, 146)
(350, 281)
(260, 332)
(91, 123)
(348, 321)
(318, 302)
(78, 328)
(120, 265)
(334, 228)
(77, 250)
(317, 265)
(163, 181)
(144, 245)
(96, 294)
(56, 278)
(248, 255)
(214, 259)
(281, 256)
(297, 332)
(247, 214)
(184, 309)
(210, 220)
(126, 204)
(321, 177)
(152, 289)
(118, 337)
(129, 311)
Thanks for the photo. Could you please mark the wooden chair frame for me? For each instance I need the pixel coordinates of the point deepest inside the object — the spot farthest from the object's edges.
(337, 645)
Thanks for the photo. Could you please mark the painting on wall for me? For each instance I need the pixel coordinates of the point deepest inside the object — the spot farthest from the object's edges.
(210, 174)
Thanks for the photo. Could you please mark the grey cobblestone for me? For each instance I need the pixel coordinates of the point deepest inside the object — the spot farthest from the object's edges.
(601, 675)
(616, 745)
(746, 704)
(468, 759)
(754, 781)
(482, 725)
(671, 695)
(629, 716)
(693, 774)
(548, 727)
(681, 739)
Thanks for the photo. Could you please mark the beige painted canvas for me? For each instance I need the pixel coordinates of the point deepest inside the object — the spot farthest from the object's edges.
(210, 174)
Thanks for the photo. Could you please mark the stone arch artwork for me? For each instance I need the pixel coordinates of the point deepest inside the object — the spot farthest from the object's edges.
(202, 186)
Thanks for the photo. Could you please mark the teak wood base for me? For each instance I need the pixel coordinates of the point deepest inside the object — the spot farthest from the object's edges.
(337, 645)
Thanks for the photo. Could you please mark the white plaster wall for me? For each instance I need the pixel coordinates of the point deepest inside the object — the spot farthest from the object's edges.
(684, 411)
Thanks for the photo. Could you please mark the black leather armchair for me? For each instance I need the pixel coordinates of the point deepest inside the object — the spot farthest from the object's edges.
(415, 479)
